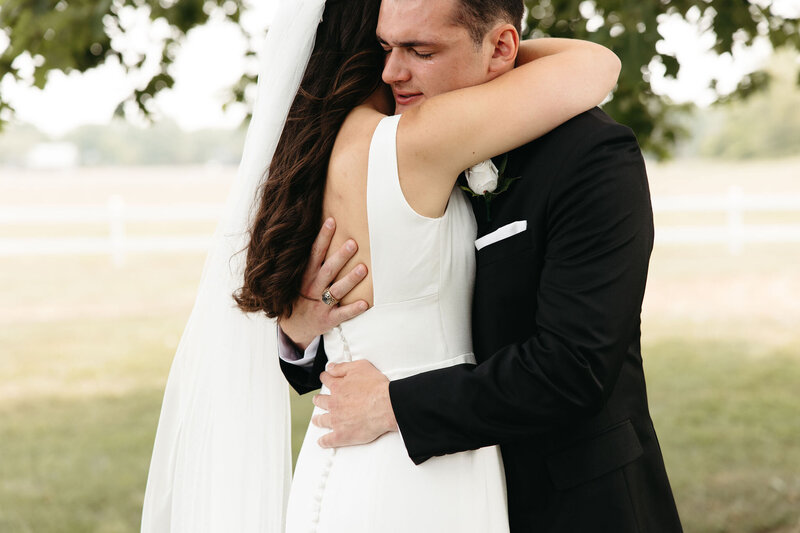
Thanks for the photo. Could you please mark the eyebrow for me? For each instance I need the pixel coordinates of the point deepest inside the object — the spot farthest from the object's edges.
(406, 44)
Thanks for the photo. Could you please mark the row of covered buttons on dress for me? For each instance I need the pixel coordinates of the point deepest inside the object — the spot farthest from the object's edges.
(323, 482)
(321, 489)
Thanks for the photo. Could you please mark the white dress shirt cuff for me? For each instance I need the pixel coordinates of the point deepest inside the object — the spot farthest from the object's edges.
(288, 352)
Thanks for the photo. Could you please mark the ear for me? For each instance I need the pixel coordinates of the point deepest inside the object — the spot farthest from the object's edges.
(504, 41)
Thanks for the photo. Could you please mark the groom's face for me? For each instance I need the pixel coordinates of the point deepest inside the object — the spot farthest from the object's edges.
(427, 53)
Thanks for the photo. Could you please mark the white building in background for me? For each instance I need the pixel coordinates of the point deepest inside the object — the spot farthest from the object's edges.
(53, 155)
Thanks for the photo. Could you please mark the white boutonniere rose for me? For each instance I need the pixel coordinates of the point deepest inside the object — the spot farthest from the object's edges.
(487, 181)
(482, 178)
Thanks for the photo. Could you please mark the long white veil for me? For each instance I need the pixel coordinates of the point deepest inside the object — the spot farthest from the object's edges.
(222, 457)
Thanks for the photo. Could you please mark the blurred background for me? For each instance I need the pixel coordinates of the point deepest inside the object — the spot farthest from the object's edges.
(122, 125)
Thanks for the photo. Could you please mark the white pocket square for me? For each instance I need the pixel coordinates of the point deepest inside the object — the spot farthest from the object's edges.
(509, 230)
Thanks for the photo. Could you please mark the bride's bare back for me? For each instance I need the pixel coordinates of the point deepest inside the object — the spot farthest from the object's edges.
(346, 189)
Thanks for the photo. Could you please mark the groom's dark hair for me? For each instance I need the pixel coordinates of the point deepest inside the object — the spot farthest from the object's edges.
(479, 16)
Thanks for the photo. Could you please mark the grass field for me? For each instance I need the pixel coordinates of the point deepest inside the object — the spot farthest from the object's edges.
(85, 348)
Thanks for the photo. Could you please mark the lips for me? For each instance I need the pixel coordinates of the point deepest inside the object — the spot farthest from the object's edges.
(406, 98)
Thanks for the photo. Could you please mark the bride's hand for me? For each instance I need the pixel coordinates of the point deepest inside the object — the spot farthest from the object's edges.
(310, 316)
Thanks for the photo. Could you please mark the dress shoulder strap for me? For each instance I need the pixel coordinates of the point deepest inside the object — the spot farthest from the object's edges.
(404, 245)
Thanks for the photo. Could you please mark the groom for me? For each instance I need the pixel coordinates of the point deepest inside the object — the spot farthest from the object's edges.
(561, 267)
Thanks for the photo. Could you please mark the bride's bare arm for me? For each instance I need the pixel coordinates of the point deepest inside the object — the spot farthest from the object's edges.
(534, 49)
(558, 79)
(555, 80)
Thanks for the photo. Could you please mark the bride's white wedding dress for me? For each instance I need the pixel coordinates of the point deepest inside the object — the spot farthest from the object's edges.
(422, 273)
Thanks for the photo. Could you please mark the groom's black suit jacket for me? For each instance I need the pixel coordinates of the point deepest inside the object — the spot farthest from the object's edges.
(556, 328)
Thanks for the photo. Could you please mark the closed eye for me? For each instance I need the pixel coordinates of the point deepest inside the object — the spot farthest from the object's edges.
(421, 55)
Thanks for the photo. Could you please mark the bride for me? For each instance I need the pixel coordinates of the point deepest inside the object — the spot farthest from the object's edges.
(326, 128)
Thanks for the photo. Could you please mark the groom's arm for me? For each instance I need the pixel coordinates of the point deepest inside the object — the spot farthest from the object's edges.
(589, 299)
(304, 377)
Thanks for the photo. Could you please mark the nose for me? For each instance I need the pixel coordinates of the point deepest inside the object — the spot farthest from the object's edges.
(394, 69)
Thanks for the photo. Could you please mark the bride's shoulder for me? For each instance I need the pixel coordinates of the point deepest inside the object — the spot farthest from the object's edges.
(356, 131)
(351, 147)
(361, 121)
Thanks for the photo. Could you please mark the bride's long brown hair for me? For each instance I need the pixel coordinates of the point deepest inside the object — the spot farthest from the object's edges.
(344, 70)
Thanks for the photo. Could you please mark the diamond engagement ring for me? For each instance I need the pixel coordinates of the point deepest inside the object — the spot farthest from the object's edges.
(328, 299)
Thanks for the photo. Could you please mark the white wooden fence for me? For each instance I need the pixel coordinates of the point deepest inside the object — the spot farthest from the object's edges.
(735, 233)
(116, 214)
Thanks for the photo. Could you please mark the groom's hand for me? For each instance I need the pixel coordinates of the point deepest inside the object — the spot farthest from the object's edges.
(359, 407)
(310, 316)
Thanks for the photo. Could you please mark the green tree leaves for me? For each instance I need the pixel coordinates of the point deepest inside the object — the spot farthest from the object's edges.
(78, 35)
(630, 29)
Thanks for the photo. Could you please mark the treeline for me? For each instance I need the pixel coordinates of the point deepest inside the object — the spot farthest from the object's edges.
(766, 125)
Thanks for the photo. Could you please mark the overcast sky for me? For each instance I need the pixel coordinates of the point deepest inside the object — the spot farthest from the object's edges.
(212, 59)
